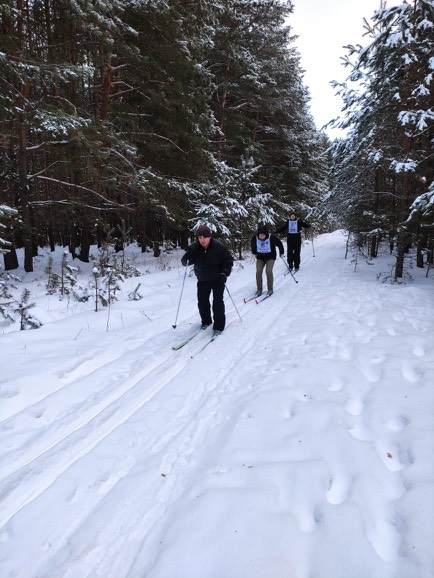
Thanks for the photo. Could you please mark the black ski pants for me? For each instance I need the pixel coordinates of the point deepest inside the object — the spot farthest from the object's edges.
(204, 289)
(293, 250)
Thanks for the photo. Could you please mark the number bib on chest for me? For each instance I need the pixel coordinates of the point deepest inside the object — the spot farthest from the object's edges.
(263, 246)
(292, 227)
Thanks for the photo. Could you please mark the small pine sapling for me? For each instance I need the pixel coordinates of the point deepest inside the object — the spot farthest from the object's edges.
(111, 281)
(27, 321)
(95, 272)
(68, 281)
(53, 278)
(6, 299)
(65, 282)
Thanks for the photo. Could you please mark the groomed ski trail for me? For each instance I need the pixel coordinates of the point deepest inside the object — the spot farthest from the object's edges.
(91, 423)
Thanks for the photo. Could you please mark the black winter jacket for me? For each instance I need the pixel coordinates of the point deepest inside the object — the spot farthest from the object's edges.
(275, 242)
(209, 263)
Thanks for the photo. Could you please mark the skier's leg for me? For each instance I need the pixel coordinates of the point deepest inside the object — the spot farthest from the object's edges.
(297, 251)
(203, 294)
(218, 306)
(269, 273)
(290, 254)
(259, 269)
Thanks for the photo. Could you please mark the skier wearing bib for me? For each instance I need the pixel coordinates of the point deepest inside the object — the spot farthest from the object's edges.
(293, 228)
(264, 246)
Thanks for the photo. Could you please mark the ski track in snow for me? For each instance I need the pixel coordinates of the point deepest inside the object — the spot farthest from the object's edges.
(115, 518)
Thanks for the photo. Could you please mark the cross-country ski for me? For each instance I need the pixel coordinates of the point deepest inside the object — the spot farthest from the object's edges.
(263, 298)
(251, 298)
(205, 345)
(188, 339)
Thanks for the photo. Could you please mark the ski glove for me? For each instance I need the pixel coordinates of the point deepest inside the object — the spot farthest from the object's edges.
(184, 260)
(223, 277)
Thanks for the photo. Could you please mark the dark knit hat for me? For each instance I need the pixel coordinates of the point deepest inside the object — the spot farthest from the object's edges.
(203, 231)
(262, 230)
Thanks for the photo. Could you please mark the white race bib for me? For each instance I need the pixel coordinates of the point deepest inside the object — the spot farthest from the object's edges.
(292, 227)
(263, 246)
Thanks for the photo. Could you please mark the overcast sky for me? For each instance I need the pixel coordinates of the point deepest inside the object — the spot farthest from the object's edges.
(324, 28)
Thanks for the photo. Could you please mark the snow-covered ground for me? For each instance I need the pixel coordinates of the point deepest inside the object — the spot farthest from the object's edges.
(299, 444)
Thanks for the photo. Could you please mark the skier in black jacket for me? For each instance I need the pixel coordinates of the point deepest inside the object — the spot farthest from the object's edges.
(212, 265)
(264, 247)
(293, 228)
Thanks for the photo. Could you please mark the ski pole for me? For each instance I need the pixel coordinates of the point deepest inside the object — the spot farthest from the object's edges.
(180, 297)
(289, 270)
(313, 248)
(233, 303)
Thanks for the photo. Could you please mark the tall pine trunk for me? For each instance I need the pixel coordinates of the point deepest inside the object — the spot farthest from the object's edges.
(23, 191)
(403, 234)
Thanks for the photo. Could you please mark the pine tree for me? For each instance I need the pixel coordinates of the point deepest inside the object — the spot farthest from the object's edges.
(128, 112)
(261, 104)
(388, 161)
(22, 307)
(7, 215)
(7, 302)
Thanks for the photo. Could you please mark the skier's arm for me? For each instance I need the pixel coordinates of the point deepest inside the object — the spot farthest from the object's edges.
(253, 245)
(280, 246)
(227, 263)
(188, 258)
(282, 229)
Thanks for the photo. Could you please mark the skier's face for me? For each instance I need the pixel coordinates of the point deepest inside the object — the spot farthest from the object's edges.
(292, 217)
(204, 241)
(262, 236)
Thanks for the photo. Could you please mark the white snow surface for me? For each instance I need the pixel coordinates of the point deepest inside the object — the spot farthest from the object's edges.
(299, 444)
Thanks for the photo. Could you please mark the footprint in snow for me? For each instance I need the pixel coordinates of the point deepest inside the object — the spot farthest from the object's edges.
(346, 352)
(37, 413)
(396, 422)
(308, 520)
(289, 412)
(337, 383)
(420, 325)
(168, 460)
(399, 315)
(8, 392)
(411, 371)
(419, 350)
(385, 539)
(371, 373)
(393, 331)
(394, 456)
(354, 406)
(339, 489)
(377, 358)
(361, 433)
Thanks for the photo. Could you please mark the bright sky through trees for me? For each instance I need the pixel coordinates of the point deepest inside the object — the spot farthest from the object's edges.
(324, 28)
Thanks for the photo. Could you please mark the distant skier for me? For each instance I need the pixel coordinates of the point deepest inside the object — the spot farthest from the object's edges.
(264, 246)
(293, 228)
(212, 265)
